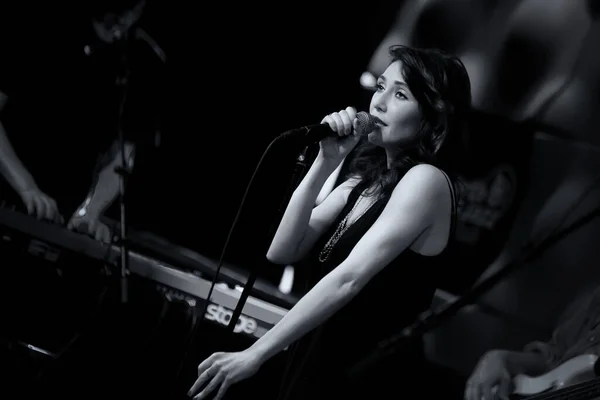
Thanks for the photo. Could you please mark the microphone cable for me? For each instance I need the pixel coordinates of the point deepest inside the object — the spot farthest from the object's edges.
(193, 335)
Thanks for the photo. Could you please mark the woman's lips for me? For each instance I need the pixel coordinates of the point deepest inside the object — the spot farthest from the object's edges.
(378, 121)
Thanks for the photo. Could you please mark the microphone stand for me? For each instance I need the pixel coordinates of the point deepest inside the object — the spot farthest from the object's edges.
(432, 319)
(293, 182)
(123, 170)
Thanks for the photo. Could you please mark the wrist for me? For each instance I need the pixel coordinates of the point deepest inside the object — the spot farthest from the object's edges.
(327, 163)
(23, 183)
(88, 210)
(514, 362)
(92, 213)
(260, 352)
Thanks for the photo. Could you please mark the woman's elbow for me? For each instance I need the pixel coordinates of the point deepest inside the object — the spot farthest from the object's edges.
(273, 258)
(280, 257)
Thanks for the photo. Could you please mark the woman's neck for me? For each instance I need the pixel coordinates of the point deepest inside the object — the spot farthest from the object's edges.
(391, 157)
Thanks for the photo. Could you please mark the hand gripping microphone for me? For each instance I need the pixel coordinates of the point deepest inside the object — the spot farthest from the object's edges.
(366, 123)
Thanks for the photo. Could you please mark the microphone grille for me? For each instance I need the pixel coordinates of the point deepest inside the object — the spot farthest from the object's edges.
(365, 123)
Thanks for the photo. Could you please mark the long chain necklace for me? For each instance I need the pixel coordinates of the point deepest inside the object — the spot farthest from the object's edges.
(340, 230)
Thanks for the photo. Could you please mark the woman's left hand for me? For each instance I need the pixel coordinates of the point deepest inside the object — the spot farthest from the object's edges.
(221, 370)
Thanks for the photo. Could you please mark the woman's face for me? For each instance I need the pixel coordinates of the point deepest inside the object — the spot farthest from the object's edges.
(395, 106)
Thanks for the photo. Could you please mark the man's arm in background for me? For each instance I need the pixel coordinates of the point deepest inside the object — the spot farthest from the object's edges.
(12, 169)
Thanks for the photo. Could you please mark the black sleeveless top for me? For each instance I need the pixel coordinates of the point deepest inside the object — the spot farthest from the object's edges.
(394, 298)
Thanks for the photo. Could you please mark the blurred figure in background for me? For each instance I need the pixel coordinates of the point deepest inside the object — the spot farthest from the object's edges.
(61, 87)
(577, 333)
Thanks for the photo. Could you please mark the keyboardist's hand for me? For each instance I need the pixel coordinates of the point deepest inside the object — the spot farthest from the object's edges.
(91, 226)
(40, 205)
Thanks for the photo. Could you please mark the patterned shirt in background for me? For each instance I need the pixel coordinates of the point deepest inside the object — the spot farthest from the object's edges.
(577, 332)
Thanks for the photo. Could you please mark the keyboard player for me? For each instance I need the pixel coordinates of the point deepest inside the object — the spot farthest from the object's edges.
(59, 108)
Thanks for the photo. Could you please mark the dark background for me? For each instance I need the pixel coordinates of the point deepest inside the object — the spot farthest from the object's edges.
(240, 75)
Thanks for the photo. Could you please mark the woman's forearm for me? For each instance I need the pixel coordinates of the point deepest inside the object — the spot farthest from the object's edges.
(323, 300)
(294, 223)
(329, 184)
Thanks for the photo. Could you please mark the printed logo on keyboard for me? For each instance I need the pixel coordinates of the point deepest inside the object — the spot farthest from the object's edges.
(222, 315)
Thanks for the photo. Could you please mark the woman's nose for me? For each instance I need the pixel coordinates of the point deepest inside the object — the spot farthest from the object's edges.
(380, 105)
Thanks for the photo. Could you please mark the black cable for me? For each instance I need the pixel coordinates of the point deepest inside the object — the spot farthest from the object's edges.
(193, 335)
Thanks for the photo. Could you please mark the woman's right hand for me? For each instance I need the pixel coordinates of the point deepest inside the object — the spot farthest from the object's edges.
(344, 124)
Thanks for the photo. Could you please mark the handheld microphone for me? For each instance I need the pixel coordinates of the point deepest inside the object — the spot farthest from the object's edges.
(366, 123)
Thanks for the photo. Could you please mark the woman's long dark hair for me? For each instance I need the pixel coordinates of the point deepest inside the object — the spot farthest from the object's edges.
(441, 86)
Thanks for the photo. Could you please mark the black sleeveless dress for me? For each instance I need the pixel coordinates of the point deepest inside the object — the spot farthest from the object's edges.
(318, 363)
